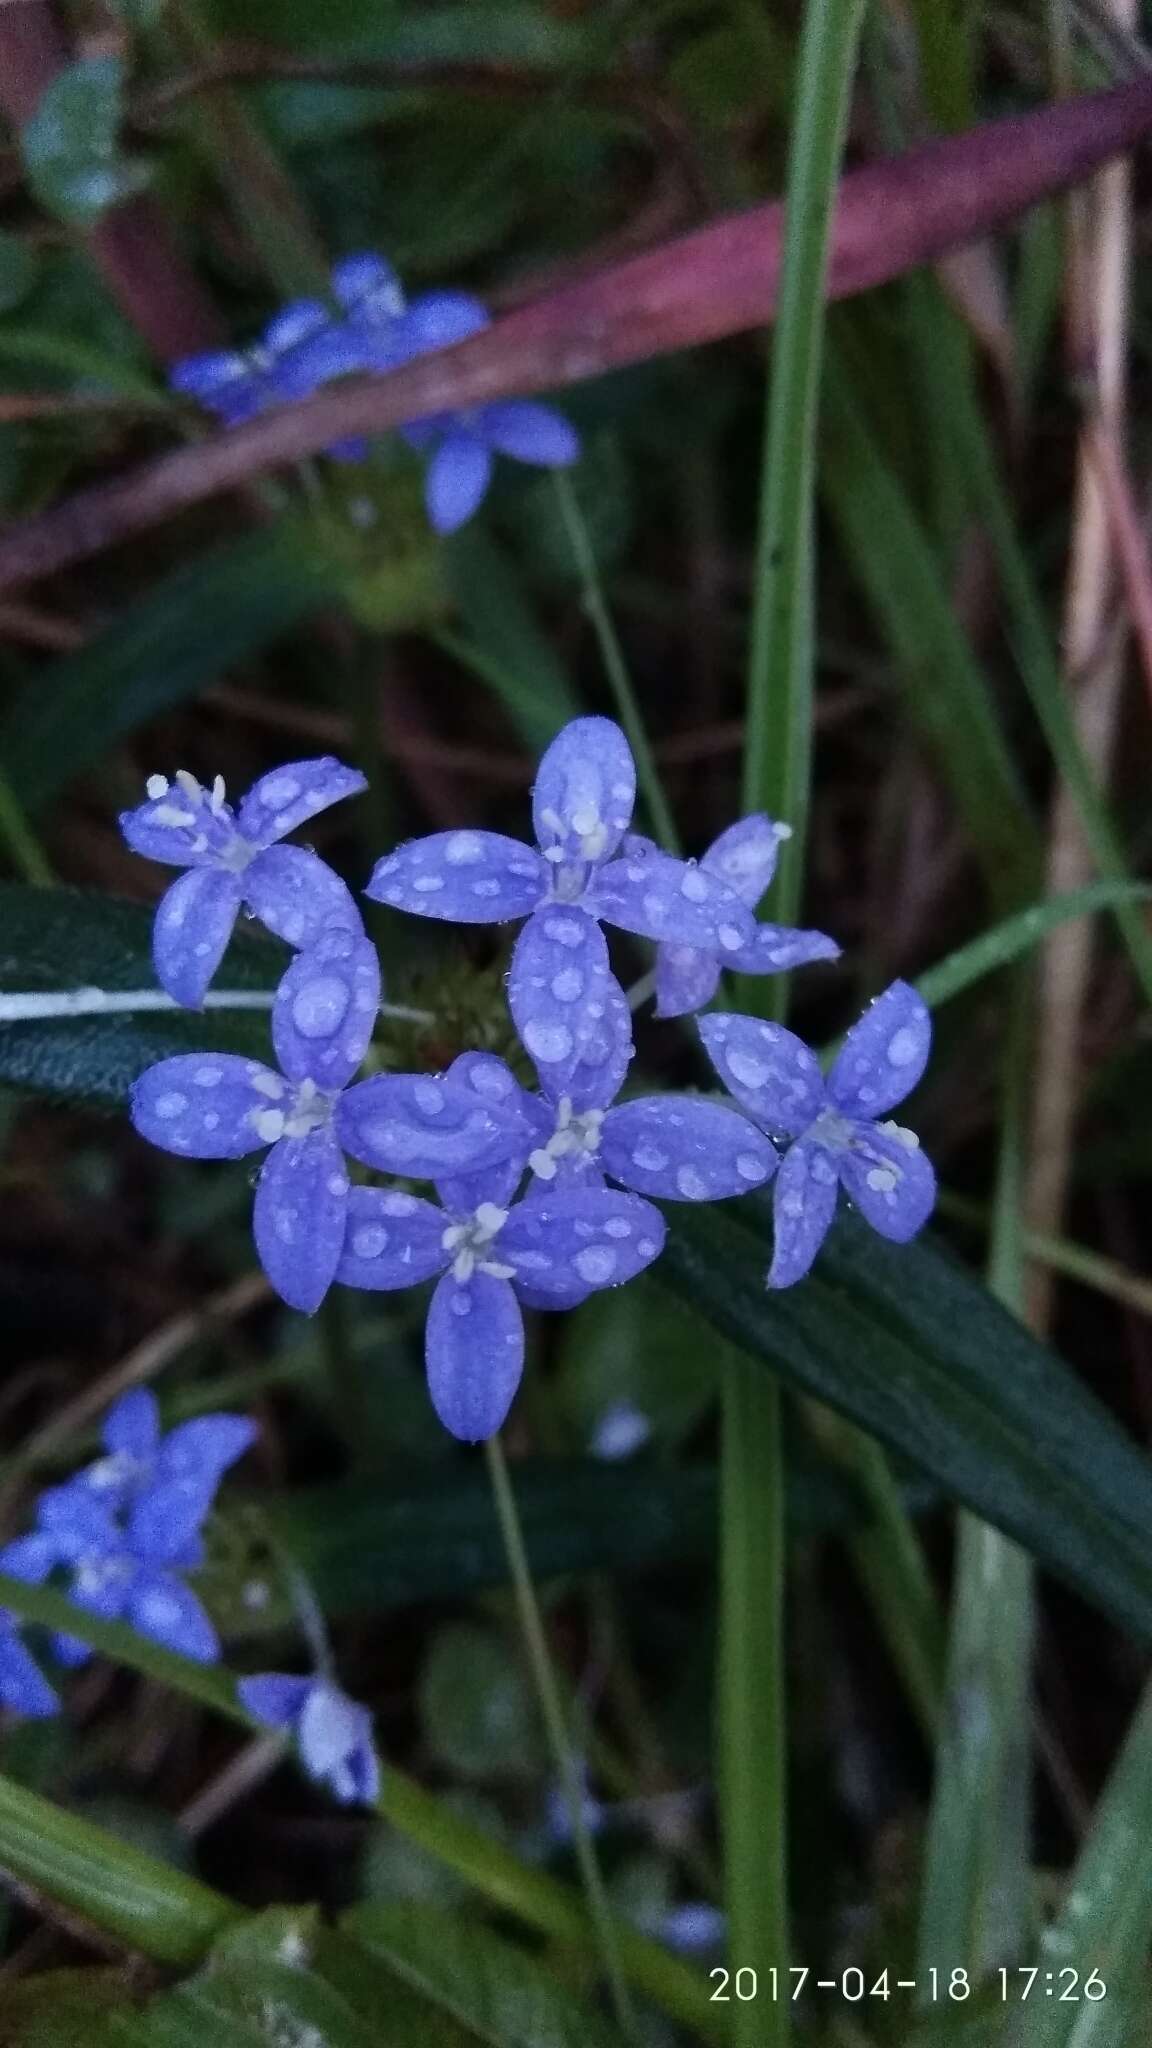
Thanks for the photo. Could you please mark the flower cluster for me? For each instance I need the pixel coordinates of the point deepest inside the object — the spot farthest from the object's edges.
(120, 1536)
(122, 1533)
(371, 326)
(542, 1196)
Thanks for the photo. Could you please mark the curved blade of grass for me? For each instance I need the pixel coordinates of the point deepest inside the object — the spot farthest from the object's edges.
(539, 1901)
(913, 1349)
(1013, 936)
(145, 1904)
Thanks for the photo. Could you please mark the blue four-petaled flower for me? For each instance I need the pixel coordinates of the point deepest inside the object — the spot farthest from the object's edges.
(125, 1528)
(235, 859)
(832, 1128)
(371, 327)
(570, 883)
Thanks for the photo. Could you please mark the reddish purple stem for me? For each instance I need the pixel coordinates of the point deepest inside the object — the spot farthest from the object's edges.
(720, 280)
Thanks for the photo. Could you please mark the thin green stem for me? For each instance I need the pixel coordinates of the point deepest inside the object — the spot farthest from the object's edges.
(778, 745)
(20, 841)
(552, 1713)
(751, 1706)
(615, 666)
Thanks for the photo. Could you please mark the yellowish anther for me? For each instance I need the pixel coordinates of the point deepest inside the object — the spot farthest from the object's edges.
(157, 786)
(217, 797)
(188, 783)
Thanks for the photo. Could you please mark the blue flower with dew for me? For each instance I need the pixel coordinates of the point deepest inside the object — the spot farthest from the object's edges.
(333, 1734)
(235, 860)
(550, 1250)
(223, 1106)
(126, 1525)
(745, 858)
(566, 886)
(832, 1128)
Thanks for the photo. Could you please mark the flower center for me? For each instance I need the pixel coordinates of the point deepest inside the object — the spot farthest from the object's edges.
(471, 1241)
(575, 1135)
(186, 802)
(307, 1110)
(118, 1469)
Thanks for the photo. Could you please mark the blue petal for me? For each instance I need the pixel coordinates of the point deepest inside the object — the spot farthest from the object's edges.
(167, 1611)
(334, 1735)
(585, 791)
(559, 987)
(891, 1182)
(776, 948)
(528, 432)
(189, 1466)
(436, 320)
(276, 1697)
(298, 1217)
(218, 372)
(770, 1071)
(298, 896)
(391, 1240)
(423, 1126)
(650, 893)
(567, 1241)
(686, 979)
(598, 1077)
(23, 1686)
(30, 1558)
(458, 477)
(366, 284)
(684, 1148)
(467, 877)
(474, 1349)
(70, 1651)
(745, 856)
(527, 1119)
(326, 1008)
(804, 1203)
(287, 797)
(132, 1425)
(78, 1522)
(190, 937)
(205, 1105)
(884, 1055)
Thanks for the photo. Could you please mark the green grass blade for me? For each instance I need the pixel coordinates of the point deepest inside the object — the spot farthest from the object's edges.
(1105, 1923)
(1014, 936)
(779, 705)
(777, 768)
(946, 693)
(143, 1903)
(499, 1876)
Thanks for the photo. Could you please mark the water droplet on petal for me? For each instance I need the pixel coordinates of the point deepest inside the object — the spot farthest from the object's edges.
(320, 1006)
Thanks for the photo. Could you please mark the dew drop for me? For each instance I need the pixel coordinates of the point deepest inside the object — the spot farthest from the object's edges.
(567, 985)
(320, 1007)
(751, 1073)
(171, 1105)
(548, 1042)
(692, 1185)
(463, 848)
(596, 1263)
(694, 885)
(369, 1242)
(903, 1048)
